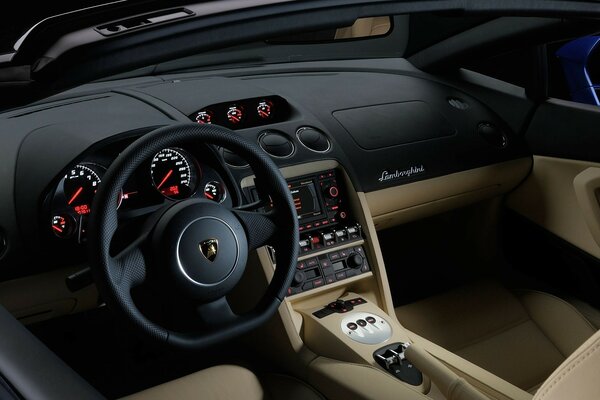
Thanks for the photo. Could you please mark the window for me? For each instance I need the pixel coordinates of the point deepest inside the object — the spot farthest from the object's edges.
(361, 29)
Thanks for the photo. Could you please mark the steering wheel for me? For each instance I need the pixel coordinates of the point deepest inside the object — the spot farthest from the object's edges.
(201, 247)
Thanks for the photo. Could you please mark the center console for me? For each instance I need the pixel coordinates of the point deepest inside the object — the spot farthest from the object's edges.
(335, 308)
(330, 236)
(337, 327)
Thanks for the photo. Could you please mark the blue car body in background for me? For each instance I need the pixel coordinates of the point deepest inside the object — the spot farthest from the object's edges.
(575, 57)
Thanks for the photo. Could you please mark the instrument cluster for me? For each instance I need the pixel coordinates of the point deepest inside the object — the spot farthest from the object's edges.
(245, 113)
(170, 175)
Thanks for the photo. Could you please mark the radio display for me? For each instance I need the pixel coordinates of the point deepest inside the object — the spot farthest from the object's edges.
(305, 199)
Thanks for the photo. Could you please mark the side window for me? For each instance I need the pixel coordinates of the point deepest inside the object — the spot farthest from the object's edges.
(573, 68)
(579, 61)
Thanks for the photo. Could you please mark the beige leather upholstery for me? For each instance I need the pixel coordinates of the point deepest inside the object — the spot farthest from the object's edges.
(577, 378)
(226, 382)
(364, 27)
(520, 337)
(345, 381)
(451, 385)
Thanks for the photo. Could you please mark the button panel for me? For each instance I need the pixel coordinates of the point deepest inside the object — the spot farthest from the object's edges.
(366, 328)
(329, 268)
(322, 238)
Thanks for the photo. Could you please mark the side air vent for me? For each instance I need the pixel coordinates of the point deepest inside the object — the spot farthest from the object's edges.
(143, 21)
(313, 139)
(492, 134)
(3, 243)
(457, 103)
(276, 143)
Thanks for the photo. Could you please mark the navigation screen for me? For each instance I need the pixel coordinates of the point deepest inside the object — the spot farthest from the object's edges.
(305, 199)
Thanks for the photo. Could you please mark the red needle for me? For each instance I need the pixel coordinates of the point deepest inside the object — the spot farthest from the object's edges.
(75, 195)
(210, 196)
(56, 228)
(165, 178)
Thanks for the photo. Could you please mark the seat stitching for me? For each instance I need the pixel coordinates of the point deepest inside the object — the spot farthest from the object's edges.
(569, 369)
(575, 311)
(560, 300)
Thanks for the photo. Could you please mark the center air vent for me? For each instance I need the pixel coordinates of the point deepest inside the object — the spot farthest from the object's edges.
(313, 139)
(276, 144)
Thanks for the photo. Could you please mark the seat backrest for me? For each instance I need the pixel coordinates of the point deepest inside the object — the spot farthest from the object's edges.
(578, 377)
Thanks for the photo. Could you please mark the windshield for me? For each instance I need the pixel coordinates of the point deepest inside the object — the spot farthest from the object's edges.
(23, 16)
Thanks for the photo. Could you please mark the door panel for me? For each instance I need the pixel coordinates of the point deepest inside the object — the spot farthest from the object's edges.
(552, 229)
(548, 198)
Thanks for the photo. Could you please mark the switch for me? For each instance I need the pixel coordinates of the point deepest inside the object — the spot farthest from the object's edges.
(299, 277)
(354, 261)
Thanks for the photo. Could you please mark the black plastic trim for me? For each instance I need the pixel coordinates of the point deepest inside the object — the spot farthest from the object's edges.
(565, 129)
(33, 370)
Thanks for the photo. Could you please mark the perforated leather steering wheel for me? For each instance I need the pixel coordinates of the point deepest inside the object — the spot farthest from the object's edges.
(201, 246)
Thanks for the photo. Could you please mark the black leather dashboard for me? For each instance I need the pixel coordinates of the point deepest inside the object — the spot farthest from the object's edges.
(421, 128)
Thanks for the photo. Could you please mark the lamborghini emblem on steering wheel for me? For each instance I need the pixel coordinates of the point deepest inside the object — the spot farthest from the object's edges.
(209, 249)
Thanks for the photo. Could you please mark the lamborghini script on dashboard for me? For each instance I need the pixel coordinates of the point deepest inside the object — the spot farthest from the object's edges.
(405, 173)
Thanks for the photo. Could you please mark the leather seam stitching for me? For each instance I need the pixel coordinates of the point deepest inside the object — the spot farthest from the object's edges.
(569, 369)
(559, 300)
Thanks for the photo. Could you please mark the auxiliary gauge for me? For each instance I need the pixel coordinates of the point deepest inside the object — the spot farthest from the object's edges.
(63, 226)
(215, 191)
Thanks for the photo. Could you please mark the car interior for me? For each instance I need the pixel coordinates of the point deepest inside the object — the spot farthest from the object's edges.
(300, 200)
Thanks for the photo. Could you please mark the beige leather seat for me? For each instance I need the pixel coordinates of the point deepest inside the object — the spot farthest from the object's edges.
(365, 27)
(521, 337)
(227, 382)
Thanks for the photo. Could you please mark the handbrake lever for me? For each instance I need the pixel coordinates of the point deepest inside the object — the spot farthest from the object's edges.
(450, 384)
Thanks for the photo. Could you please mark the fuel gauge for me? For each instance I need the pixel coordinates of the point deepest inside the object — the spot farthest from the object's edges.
(63, 226)
(215, 191)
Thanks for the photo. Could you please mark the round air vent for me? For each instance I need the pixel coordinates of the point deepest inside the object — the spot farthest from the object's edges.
(276, 143)
(493, 134)
(233, 159)
(313, 139)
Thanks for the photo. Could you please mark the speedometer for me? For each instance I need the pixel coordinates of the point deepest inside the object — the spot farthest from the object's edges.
(174, 173)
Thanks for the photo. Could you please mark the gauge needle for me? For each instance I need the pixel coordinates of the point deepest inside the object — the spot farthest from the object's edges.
(165, 178)
(210, 196)
(75, 195)
(56, 228)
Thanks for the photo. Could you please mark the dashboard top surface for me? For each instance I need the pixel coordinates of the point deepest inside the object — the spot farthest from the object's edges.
(384, 128)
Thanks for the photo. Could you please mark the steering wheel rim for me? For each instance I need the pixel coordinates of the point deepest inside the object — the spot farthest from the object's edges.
(116, 275)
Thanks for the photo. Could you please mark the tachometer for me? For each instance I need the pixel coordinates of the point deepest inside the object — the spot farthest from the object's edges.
(80, 186)
(174, 173)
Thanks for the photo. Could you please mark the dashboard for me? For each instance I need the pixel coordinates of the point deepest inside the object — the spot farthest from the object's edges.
(56, 152)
